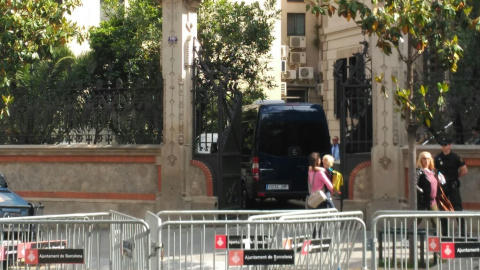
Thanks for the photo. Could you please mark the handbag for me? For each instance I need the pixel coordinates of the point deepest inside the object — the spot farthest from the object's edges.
(316, 198)
(442, 200)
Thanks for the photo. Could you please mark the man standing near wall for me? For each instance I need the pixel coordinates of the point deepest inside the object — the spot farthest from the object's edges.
(452, 167)
(335, 148)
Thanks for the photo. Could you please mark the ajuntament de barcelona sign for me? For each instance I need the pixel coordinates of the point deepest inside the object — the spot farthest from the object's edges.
(53, 256)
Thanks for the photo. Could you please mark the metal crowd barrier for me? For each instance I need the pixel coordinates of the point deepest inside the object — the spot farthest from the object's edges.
(219, 214)
(130, 242)
(107, 240)
(425, 240)
(303, 239)
(279, 215)
(291, 239)
(343, 230)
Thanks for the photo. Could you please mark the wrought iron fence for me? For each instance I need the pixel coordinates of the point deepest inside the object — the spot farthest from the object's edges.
(458, 116)
(217, 115)
(100, 113)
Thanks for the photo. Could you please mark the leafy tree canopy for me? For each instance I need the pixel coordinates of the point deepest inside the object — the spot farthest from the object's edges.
(29, 30)
(420, 25)
(238, 37)
(129, 39)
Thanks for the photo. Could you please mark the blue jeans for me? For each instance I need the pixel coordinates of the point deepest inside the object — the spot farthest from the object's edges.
(328, 203)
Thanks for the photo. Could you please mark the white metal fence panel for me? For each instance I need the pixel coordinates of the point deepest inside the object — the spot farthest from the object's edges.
(297, 239)
(274, 241)
(425, 240)
(220, 214)
(130, 242)
(107, 240)
(341, 234)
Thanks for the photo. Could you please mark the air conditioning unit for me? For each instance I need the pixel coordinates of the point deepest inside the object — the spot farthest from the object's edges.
(289, 75)
(298, 58)
(284, 65)
(283, 88)
(298, 42)
(305, 72)
(284, 53)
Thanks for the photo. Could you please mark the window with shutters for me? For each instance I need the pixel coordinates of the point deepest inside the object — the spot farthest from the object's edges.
(296, 24)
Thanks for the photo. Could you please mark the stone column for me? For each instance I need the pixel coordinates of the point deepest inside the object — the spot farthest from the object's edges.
(179, 33)
(389, 135)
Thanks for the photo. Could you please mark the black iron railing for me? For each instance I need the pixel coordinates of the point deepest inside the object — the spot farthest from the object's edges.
(104, 113)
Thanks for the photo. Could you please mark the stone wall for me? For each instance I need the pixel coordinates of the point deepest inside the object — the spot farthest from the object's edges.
(76, 179)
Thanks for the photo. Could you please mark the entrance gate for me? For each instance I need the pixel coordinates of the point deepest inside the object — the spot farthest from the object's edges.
(217, 108)
(353, 85)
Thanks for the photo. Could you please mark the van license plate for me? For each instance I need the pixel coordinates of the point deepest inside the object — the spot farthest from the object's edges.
(277, 187)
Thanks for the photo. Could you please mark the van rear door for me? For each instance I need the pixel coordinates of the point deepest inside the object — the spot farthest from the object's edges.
(286, 135)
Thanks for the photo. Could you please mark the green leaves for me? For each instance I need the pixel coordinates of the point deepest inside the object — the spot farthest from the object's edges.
(420, 25)
(7, 100)
(404, 99)
(239, 36)
(321, 7)
(29, 30)
(129, 40)
(423, 20)
(451, 53)
(423, 90)
(442, 89)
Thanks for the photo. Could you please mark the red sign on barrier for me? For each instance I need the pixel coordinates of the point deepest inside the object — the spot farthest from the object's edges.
(54, 256)
(305, 247)
(235, 257)
(448, 250)
(453, 250)
(53, 244)
(434, 244)
(220, 241)
(261, 257)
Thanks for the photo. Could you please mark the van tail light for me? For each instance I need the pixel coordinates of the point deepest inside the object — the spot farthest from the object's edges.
(255, 169)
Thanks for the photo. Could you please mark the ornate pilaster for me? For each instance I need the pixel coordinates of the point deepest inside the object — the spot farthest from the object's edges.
(179, 32)
(388, 179)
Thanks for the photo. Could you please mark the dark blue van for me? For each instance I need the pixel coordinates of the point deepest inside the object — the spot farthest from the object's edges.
(283, 138)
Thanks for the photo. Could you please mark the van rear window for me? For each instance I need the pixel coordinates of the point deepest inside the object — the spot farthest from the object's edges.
(281, 131)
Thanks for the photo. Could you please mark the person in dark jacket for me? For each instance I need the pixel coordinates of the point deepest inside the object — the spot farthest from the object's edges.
(452, 167)
(427, 182)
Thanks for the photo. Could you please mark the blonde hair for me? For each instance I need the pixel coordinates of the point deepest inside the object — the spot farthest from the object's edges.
(431, 166)
(328, 159)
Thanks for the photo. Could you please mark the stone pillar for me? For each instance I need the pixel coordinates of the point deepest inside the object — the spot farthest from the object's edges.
(179, 33)
(389, 136)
